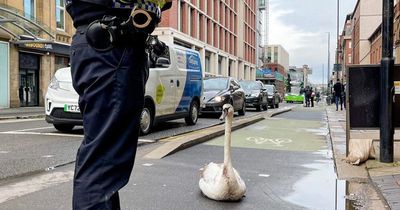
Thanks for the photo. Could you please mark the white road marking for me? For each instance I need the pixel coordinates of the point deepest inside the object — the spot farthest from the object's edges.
(277, 142)
(47, 156)
(4, 152)
(15, 190)
(31, 129)
(147, 140)
(25, 132)
(264, 175)
(147, 164)
(43, 134)
(20, 120)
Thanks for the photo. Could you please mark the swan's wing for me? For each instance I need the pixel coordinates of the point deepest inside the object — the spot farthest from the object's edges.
(211, 171)
(241, 186)
(212, 183)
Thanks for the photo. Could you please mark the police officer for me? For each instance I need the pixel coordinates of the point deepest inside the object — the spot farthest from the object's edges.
(109, 72)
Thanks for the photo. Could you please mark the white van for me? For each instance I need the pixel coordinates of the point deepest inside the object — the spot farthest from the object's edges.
(173, 91)
(174, 88)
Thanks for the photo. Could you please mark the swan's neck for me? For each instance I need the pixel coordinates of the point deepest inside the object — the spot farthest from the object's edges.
(227, 144)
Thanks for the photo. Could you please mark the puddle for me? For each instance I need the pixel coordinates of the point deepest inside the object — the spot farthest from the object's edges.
(321, 189)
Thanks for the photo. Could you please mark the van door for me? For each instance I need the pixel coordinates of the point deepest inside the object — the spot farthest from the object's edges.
(190, 78)
(161, 86)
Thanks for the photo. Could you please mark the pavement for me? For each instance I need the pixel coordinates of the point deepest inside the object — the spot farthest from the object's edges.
(22, 113)
(384, 178)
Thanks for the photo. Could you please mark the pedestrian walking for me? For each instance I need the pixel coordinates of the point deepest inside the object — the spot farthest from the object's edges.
(318, 96)
(312, 97)
(338, 90)
(344, 95)
(109, 71)
(308, 96)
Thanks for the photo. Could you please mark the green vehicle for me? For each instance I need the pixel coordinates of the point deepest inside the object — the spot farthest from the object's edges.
(294, 96)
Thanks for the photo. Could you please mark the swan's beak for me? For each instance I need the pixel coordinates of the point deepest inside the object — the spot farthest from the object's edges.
(224, 113)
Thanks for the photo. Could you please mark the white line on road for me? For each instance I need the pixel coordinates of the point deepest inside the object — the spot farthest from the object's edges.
(31, 129)
(20, 120)
(43, 134)
(59, 134)
(13, 191)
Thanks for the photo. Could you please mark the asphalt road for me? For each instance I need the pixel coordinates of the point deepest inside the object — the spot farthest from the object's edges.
(31, 146)
(285, 162)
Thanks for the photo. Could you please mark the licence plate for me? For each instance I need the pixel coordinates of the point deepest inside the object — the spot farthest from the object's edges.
(71, 108)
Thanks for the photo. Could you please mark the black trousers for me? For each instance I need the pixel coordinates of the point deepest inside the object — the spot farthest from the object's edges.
(111, 96)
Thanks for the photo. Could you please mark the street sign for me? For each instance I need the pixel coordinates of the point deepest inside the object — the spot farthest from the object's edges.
(337, 67)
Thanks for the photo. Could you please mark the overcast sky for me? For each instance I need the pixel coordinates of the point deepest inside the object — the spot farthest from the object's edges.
(301, 27)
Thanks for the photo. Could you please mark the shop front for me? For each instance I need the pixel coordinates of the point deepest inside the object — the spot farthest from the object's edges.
(30, 53)
(37, 63)
(4, 75)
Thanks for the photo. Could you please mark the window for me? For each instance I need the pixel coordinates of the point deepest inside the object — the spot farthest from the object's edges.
(207, 62)
(61, 62)
(349, 44)
(29, 9)
(60, 17)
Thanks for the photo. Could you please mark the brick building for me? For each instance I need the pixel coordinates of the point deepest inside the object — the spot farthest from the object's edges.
(223, 31)
(34, 42)
(367, 17)
(345, 55)
(277, 60)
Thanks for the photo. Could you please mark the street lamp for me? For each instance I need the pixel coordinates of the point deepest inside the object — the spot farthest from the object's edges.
(328, 90)
(336, 69)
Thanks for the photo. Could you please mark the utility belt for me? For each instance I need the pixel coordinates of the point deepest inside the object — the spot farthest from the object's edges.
(111, 31)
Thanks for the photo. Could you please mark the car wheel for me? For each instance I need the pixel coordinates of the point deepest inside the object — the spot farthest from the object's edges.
(64, 128)
(146, 120)
(243, 110)
(193, 114)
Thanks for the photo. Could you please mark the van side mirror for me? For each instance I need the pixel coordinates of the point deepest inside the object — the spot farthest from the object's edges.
(162, 62)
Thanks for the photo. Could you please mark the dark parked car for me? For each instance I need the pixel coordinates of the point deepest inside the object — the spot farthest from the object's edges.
(222, 90)
(256, 94)
(273, 96)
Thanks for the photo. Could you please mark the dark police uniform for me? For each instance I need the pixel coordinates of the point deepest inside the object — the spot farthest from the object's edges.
(110, 85)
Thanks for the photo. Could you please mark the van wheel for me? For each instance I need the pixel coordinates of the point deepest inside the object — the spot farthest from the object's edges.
(146, 120)
(64, 128)
(193, 114)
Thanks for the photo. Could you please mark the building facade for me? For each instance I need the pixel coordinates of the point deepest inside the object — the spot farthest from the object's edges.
(367, 17)
(278, 55)
(276, 62)
(345, 55)
(223, 31)
(34, 42)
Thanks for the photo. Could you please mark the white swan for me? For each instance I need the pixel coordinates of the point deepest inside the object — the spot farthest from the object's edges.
(222, 181)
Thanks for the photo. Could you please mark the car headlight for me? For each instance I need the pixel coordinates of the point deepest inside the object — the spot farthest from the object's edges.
(219, 98)
(255, 94)
(54, 83)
